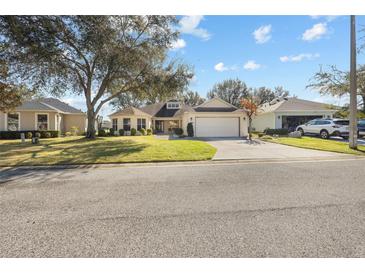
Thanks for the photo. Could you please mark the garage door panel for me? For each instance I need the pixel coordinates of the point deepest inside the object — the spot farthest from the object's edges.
(217, 127)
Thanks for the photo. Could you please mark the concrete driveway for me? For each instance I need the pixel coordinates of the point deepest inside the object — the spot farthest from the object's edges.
(239, 149)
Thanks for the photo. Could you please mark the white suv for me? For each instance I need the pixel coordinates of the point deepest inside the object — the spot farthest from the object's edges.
(326, 128)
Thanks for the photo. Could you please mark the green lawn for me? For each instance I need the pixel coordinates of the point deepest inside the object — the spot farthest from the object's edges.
(78, 150)
(319, 144)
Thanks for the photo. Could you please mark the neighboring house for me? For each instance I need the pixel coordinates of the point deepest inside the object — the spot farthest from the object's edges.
(289, 113)
(43, 114)
(213, 118)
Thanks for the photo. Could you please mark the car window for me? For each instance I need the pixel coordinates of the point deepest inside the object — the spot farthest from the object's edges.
(362, 123)
(342, 122)
(322, 123)
(311, 123)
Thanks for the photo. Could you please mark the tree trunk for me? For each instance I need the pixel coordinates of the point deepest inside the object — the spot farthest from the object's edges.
(91, 118)
(249, 128)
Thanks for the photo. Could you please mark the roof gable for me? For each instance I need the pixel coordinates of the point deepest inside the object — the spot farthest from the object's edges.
(294, 104)
(130, 111)
(216, 103)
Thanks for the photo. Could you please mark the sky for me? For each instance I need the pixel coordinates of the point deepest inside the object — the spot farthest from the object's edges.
(261, 51)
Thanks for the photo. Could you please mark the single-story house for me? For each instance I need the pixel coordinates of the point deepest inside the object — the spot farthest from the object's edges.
(213, 118)
(43, 114)
(289, 113)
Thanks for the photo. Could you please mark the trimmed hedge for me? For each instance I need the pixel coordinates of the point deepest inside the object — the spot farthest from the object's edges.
(102, 133)
(29, 134)
(190, 130)
(178, 131)
(142, 131)
(276, 131)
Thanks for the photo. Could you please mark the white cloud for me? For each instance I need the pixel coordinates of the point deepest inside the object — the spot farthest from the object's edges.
(178, 44)
(189, 25)
(299, 57)
(251, 65)
(328, 18)
(262, 34)
(220, 67)
(316, 32)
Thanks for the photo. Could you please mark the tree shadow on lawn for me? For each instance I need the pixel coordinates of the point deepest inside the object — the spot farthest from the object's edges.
(79, 152)
(94, 152)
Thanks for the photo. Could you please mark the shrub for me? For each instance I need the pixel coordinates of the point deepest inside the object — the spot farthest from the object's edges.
(74, 131)
(178, 131)
(276, 131)
(190, 129)
(46, 135)
(102, 133)
(111, 132)
(149, 131)
(133, 131)
(28, 134)
(121, 132)
(142, 131)
(68, 134)
(260, 134)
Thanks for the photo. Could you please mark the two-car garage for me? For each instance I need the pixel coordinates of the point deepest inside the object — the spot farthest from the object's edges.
(217, 127)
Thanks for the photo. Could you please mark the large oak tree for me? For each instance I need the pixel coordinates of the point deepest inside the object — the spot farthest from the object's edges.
(99, 57)
(11, 95)
(234, 90)
(336, 82)
(230, 90)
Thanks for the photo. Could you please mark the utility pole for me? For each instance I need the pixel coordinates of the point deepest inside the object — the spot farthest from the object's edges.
(353, 88)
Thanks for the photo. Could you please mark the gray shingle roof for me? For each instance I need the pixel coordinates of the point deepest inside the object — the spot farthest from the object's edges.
(62, 106)
(294, 104)
(160, 110)
(34, 105)
(130, 111)
(48, 104)
(214, 109)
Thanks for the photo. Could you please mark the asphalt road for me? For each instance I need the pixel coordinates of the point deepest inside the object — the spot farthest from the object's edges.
(280, 209)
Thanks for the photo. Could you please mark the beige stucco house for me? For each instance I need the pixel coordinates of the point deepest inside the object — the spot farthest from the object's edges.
(213, 118)
(289, 113)
(43, 114)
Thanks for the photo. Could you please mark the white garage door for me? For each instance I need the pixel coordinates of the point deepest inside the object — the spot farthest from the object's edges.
(217, 127)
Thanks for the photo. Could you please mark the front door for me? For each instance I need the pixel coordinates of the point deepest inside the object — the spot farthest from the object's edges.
(159, 126)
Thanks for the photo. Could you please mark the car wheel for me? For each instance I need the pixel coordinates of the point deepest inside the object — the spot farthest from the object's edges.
(301, 131)
(324, 134)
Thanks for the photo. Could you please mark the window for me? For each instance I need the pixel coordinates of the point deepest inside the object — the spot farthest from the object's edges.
(42, 122)
(127, 124)
(115, 124)
(13, 121)
(174, 105)
(342, 122)
(318, 123)
(141, 123)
